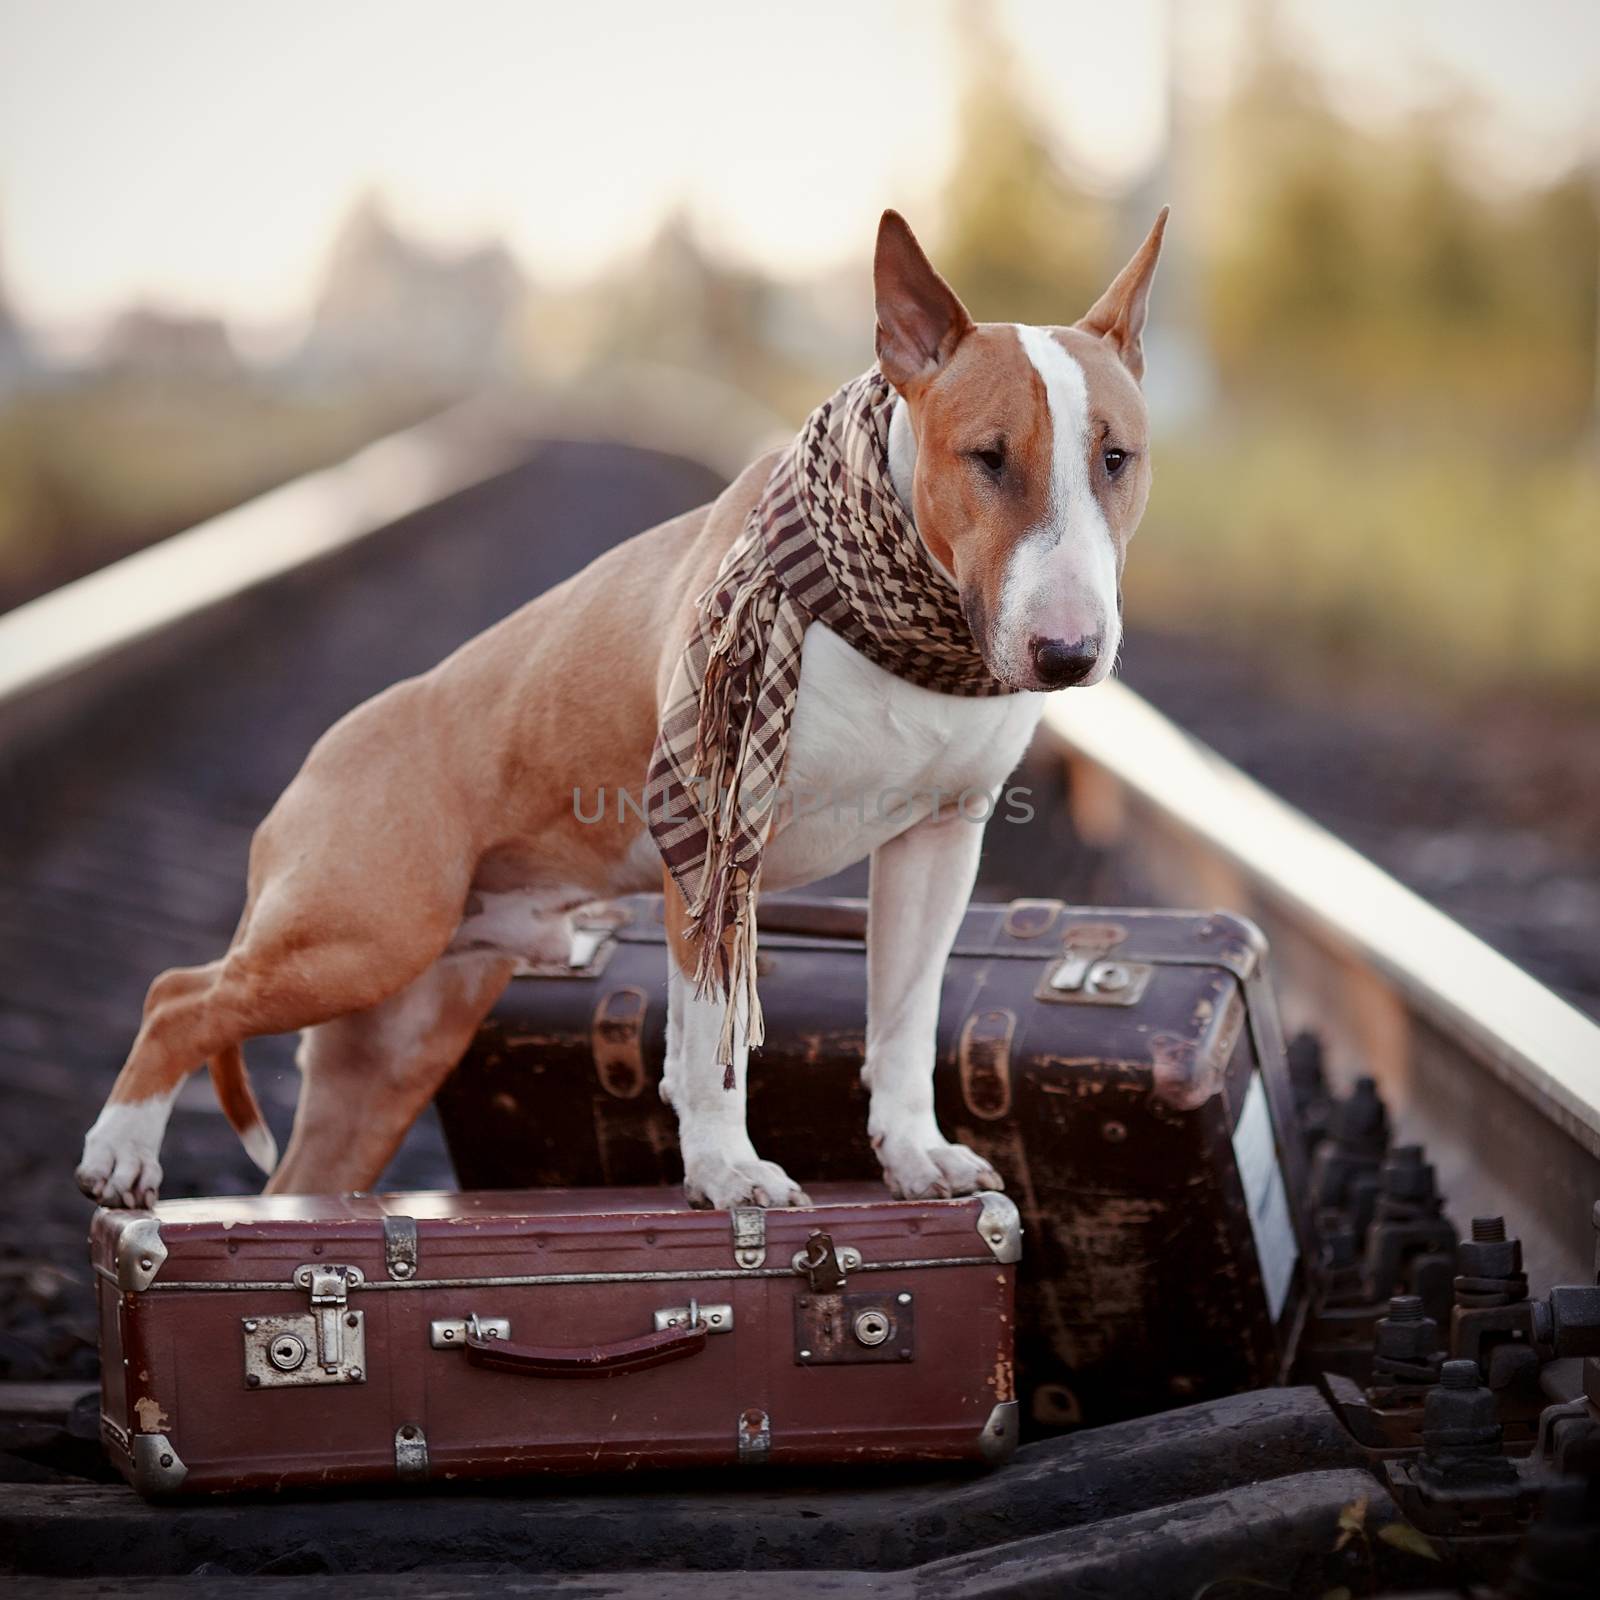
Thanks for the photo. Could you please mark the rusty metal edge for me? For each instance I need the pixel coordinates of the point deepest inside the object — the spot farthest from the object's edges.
(1529, 1038)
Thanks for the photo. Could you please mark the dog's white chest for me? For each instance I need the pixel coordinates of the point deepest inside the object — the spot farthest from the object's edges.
(870, 755)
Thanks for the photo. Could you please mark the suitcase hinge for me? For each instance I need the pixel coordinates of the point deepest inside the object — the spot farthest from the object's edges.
(326, 1346)
(410, 1453)
(754, 1430)
(749, 1236)
(400, 1246)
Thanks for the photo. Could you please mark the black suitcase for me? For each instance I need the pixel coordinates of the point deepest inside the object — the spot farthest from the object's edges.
(1123, 1069)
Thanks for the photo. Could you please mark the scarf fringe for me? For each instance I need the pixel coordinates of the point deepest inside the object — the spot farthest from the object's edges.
(722, 917)
(726, 967)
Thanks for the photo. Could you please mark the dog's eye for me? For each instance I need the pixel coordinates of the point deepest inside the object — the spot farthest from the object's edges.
(993, 459)
(1114, 460)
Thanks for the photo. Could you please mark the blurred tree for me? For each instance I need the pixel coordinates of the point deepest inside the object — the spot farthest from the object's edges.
(1023, 239)
(1292, 269)
(1363, 274)
(1553, 274)
(1401, 471)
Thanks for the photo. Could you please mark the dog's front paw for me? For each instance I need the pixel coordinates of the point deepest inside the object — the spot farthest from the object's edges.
(722, 1182)
(120, 1165)
(924, 1168)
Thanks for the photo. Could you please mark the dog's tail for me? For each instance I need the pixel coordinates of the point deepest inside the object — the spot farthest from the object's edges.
(239, 1105)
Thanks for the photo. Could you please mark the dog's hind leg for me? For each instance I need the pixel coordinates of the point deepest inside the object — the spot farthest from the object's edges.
(358, 878)
(368, 1075)
(121, 1152)
(288, 970)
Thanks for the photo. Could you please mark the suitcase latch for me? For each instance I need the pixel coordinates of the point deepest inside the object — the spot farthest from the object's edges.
(1091, 981)
(823, 1264)
(328, 1344)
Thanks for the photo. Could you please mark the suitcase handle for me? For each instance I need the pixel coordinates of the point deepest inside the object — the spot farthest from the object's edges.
(592, 1361)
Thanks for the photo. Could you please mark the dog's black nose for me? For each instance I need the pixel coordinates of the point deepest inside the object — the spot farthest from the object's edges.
(1060, 664)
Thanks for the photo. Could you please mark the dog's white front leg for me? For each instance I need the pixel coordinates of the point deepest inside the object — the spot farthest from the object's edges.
(921, 883)
(720, 1165)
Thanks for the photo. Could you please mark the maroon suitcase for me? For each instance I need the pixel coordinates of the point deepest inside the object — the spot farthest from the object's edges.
(270, 1341)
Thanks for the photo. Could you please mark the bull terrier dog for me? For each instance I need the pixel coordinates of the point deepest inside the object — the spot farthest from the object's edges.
(430, 843)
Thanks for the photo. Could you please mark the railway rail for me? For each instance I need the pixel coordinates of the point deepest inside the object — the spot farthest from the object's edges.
(150, 714)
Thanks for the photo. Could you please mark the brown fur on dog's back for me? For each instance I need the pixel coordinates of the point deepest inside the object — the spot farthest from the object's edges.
(536, 736)
(488, 746)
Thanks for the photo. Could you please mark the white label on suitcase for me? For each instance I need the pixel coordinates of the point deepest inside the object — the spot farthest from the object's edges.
(1265, 1195)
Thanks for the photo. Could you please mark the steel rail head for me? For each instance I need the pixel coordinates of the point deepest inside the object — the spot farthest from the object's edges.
(1547, 1051)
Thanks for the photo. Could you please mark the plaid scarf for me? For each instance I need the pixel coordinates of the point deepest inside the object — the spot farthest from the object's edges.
(828, 542)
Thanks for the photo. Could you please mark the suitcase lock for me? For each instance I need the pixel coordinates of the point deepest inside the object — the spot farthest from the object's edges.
(325, 1345)
(835, 1329)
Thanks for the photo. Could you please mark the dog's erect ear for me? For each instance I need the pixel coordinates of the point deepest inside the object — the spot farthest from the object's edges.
(1118, 315)
(920, 321)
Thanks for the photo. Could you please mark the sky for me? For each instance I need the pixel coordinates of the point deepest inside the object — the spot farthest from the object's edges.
(199, 154)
